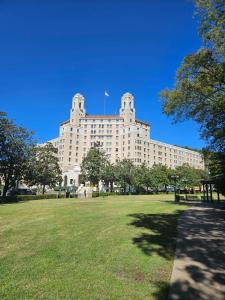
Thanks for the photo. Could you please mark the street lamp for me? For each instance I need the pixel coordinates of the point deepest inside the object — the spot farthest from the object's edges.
(185, 181)
(175, 177)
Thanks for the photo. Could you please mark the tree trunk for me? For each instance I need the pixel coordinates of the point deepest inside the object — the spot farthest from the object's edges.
(6, 187)
(43, 189)
(111, 187)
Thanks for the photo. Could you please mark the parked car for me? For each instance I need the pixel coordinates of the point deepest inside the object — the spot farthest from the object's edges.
(19, 191)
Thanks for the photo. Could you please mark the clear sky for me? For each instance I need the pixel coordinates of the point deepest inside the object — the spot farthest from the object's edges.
(52, 49)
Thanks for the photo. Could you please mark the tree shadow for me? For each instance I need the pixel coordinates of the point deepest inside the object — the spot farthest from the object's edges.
(200, 249)
(161, 238)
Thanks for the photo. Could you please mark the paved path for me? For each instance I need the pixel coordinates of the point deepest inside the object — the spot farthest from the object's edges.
(199, 266)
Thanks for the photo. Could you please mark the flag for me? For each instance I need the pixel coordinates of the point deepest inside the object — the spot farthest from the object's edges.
(106, 94)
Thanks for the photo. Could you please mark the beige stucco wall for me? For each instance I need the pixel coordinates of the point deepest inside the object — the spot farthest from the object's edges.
(121, 136)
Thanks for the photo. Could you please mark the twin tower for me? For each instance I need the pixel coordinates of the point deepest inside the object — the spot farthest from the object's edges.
(127, 110)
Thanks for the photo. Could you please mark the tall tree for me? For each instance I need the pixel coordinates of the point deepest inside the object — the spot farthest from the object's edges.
(190, 177)
(15, 146)
(108, 175)
(142, 178)
(159, 176)
(125, 174)
(43, 167)
(93, 164)
(199, 91)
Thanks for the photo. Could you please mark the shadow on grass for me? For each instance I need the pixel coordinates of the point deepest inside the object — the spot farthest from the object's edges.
(161, 238)
(200, 246)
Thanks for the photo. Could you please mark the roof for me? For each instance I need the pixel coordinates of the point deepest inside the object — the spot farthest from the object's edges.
(102, 117)
(65, 122)
(112, 117)
(142, 122)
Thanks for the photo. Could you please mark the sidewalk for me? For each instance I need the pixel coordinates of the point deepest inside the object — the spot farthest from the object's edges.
(199, 266)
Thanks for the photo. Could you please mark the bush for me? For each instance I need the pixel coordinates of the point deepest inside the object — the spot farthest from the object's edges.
(36, 197)
(102, 194)
(9, 199)
(19, 198)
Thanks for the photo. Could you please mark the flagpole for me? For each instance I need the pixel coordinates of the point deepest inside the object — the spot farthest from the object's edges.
(105, 96)
(104, 103)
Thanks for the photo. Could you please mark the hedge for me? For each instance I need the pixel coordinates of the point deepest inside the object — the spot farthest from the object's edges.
(103, 194)
(18, 198)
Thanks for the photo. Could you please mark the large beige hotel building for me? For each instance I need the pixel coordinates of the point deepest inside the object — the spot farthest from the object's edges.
(120, 136)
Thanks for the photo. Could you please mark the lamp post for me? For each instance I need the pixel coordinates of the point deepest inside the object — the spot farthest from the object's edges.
(185, 181)
(175, 177)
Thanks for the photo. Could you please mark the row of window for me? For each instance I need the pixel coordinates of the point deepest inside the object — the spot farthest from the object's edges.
(180, 152)
(100, 120)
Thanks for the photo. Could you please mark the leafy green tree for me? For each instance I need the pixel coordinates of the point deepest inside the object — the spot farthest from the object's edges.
(108, 175)
(199, 94)
(15, 146)
(212, 24)
(137, 181)
(189, 177)
(43, 167)
(159, 176)
(217, 170)
(93, 165)
(142, 178)
(125, 174)
(199, 91)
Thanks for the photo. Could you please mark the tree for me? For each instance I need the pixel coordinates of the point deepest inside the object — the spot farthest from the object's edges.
(199, 91)
(137, 181)
(15, 146)
(212, 23)
(108, 175)
(125, 173)
(159, 176)
(190, 177)
(93, 165)
(43, 167)
(199, 94)
(216, 165)
(142, 178)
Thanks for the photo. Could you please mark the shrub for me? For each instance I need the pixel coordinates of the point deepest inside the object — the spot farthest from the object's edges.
(36, 197)
(103, 194)
(18, 198)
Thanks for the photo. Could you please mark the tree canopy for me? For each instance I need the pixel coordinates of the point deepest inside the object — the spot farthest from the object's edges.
(199, 91)
(93, 164)
(16, 144)
(42, 167)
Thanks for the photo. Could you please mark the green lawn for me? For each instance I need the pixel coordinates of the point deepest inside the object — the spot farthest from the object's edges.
(119, 247)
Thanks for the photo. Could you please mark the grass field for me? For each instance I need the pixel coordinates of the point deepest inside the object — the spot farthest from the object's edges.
(119, 247)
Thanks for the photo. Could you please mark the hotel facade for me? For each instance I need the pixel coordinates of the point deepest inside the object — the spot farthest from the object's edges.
(120, 136)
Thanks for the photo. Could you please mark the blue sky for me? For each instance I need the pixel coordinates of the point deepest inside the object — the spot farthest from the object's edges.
(51, 49)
